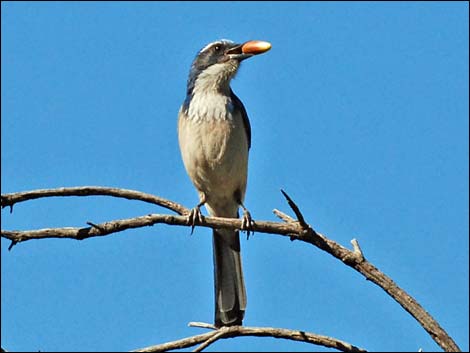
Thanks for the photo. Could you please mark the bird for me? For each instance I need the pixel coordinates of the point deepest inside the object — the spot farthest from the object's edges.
(214, 136)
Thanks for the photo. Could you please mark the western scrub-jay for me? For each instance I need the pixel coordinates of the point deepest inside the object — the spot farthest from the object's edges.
(214, 136)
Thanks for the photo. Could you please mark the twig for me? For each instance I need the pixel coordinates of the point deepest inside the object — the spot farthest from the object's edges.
(283, 216)
(202, 325)
(179, 344)
(220, 333)
(236, 331)
(12, 244)
(296, 210)
(357, 249)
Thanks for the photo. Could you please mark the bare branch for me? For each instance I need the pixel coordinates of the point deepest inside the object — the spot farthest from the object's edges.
(17, 197)
(238, 331)
(203, 325)
(283, 216)
(357, 249)
(296, 209)
(217, 334)
(295, 230)
(120, 225)
(179, 344)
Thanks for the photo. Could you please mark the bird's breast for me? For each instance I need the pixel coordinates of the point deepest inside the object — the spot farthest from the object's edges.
(214, 147)
(210, 106)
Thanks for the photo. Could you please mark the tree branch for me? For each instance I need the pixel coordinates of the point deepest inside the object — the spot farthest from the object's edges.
(296, 230)
(182, 343)
(106, 228)
(17, 197)
(237, 331)
(218, 334)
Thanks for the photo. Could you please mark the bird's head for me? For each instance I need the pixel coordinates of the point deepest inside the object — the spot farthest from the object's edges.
(217, 63)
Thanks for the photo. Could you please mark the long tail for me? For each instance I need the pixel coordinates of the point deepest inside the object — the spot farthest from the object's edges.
(230, 295)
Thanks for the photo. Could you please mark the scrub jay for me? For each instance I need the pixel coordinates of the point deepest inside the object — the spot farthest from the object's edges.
(214, 137)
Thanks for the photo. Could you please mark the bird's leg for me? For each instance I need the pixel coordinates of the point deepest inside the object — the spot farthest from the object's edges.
(247, 221)
(195, 215)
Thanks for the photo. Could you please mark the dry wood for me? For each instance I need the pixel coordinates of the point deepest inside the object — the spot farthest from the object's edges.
(237, 331)
(296, 230)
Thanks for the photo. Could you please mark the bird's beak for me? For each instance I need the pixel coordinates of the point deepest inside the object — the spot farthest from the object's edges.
(248, 49)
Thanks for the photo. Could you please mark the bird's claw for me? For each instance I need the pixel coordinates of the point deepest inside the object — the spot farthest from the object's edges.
(194, 217)
(247, 223)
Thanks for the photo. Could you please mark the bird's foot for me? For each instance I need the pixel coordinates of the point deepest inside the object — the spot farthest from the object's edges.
(247, 223)
(195, 217)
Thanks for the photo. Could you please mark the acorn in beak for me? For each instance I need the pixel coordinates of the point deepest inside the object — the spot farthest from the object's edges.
(248, 49)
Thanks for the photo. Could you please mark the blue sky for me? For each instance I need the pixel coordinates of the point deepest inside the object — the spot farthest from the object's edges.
(359, 111)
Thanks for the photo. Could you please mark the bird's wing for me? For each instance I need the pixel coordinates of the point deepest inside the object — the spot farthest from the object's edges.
(246, 122)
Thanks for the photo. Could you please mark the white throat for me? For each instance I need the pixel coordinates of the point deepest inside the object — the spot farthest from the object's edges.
(210, 105)
(211, 93)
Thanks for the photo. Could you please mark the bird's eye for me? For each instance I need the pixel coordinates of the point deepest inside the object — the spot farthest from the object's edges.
(217, 48)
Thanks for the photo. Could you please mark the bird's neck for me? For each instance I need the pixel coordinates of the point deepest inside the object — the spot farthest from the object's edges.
(213, 80)
(209, 96)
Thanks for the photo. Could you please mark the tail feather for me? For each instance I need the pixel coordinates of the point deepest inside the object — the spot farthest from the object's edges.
(230, 296)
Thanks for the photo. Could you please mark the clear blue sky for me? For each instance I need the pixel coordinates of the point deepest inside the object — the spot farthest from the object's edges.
(359, 111)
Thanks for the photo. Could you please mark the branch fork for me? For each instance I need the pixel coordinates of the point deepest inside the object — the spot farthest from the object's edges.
(215, 334)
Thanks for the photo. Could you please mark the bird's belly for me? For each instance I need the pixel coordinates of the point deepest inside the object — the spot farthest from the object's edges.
(215, 154)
